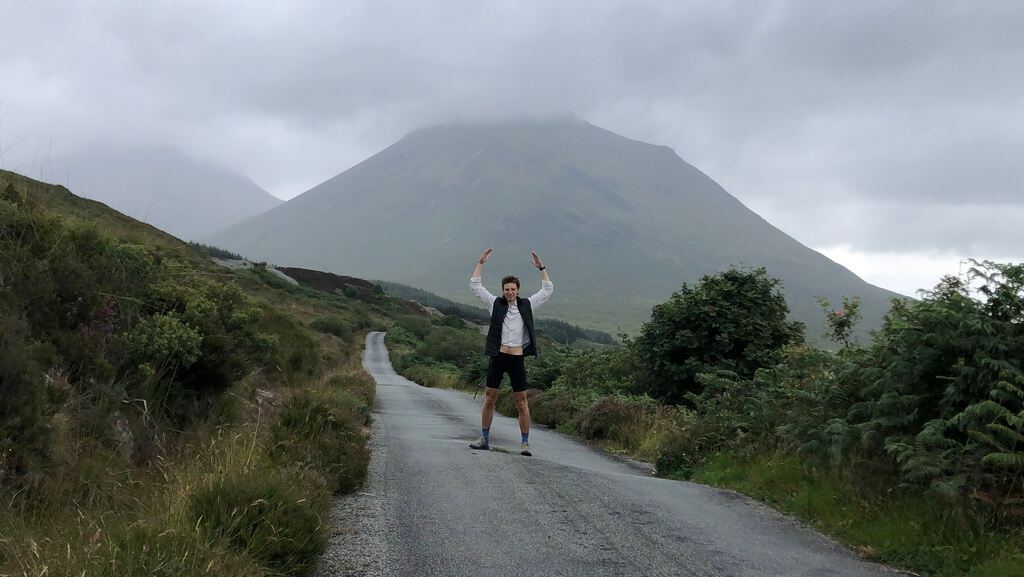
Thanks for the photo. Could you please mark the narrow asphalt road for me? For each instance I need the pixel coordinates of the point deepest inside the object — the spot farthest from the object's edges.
(433, 506)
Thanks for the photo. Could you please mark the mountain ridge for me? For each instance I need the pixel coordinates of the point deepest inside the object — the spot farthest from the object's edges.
(622, 222)
(162, 186)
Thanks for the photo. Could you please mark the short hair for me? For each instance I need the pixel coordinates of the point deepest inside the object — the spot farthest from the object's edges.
(508, 279)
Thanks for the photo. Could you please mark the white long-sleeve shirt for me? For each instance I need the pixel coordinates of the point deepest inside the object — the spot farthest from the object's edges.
(513, 332)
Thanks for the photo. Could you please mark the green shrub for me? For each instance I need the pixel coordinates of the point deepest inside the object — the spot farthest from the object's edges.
(333, 325)
(505, 402)
(451, 321)
(165, 342)
(683, 448)
(553, 408)
(324, 433)
(399, 336)
(354, 402)
(456, 346)
(263, 519)
(417, 325)
(24, 412)
(735, 320)
(592, 374)
(610, 418)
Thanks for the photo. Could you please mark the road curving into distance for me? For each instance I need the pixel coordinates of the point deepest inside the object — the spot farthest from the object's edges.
(434, 507)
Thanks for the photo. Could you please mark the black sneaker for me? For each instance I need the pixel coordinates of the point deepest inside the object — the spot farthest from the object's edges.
(526, 450)
(480, 445)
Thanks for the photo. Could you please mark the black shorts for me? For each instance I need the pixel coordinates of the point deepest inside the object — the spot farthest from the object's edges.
(506, 363)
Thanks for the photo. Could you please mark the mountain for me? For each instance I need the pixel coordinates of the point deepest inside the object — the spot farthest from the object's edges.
(620, 223)
(163, 187)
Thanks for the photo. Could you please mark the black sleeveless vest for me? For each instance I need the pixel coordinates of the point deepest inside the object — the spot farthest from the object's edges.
(498, 312)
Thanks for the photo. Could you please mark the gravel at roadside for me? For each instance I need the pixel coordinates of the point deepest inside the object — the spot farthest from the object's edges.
(358, 544)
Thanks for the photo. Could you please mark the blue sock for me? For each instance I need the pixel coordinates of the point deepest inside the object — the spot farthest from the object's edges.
(487, 433)
(526, 437)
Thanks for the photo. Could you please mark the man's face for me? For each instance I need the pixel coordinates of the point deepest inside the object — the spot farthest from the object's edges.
(511, 291)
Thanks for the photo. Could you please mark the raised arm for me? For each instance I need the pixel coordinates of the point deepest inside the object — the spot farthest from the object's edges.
(535, 261)
(546, 286)
(481, 261)
(477, 286)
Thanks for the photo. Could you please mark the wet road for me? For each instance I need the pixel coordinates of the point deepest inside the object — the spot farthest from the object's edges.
(432, 506)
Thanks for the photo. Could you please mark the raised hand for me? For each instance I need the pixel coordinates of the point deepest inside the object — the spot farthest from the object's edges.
(485, 256)
(535, 261)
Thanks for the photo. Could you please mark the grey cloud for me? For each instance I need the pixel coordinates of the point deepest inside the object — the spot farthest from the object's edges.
(795, 107)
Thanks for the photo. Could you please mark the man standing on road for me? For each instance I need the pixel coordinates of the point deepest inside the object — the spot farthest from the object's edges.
(509, 340)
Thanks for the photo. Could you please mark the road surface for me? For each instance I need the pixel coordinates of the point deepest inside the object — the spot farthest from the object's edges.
(434, 507)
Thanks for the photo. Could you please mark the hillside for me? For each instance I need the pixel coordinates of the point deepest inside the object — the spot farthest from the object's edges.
(163, 187)
(622, 224)
(154, 406)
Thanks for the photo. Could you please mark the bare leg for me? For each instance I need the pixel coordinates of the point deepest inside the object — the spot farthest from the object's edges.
(487, 415)
(524, 411)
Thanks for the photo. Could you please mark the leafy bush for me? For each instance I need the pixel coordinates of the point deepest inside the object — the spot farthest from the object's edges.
(324, 433)
(399, 336)
(612, 418)
(261, 518)
(417, 325)
(165, 342)
(460, 347)
(553, 408)
(24, 413)
(333, 325)
(592, 375)
(735, 320)
(941, 389)
(451, 321)
(683, 448)
(544, 369)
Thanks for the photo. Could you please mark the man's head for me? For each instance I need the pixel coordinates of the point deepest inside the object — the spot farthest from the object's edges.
(510, 288)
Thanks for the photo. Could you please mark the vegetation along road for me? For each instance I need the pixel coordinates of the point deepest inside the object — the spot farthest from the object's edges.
(432, 506)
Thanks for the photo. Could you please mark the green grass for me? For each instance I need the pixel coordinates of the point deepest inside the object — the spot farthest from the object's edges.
(901, 527)
(134, 470)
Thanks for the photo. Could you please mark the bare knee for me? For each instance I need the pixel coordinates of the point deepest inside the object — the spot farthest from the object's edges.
(521, 403)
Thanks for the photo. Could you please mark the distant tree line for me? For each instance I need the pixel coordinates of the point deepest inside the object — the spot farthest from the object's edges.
(210, 250)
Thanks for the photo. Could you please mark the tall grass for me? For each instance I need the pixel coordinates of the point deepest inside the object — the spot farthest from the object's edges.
(899, 525)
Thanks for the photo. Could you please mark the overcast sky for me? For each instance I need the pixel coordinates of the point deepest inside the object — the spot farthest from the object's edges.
(888, 135)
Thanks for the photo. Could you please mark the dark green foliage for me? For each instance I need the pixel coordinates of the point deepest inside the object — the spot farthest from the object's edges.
(553, 408)
(612, 418)
(461, 347)
(400, 336)
(116, 319)
(566, 333)
(263, 519)
(683, 449)
(210, 250)
(941, 390)
(451, 321)
(417, 325)
(735, 321)
(596, 374)
(324, 434)
(333, 325)
(542, 370)
(842, 323)
(24, 410)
